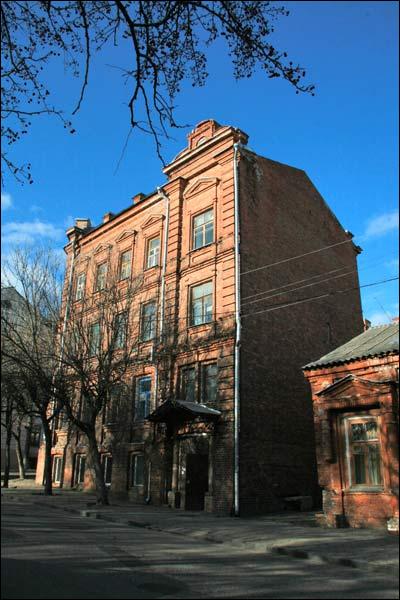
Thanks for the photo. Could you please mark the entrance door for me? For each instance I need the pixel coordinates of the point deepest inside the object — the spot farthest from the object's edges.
(196, 481)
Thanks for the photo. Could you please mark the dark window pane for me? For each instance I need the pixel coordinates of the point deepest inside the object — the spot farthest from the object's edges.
(210, 383)
(359, 465)
(374, 464)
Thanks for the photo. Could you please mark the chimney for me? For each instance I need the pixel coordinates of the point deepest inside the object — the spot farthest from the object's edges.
(83, 223)
(367, 324)
(138, 197)
(107, 217)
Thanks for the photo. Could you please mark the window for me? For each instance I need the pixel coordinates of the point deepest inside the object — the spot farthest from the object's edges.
(148, 322)
(125, 265)
(34, 438)
(121, 323)
(79, 472)
(94, 339)
(106, 463)
(209, 383)
(113, 409)
(80, 286)
(143, 398)
(201, 304)
(188, 384)
(203, 229)
(101, 275)
(153, 252)
(136, 470)
(363, 451)
(57, 469)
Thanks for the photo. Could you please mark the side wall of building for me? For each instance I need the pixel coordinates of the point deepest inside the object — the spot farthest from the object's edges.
(282, 216)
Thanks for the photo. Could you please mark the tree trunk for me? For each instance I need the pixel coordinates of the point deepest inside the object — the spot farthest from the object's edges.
(6, 475)
(27, 445)
(101, 488)
(48, 480)
(20, 458)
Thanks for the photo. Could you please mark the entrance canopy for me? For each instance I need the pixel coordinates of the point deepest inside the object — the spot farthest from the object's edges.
(180, 410)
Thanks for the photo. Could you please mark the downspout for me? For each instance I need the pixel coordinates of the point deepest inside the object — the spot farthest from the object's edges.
(164, 267)
(237, 332)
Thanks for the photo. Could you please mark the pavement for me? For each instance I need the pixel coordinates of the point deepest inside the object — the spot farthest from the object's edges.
(295, 534)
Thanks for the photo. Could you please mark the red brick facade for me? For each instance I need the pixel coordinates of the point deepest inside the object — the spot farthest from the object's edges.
(282, 216)
(359, 393)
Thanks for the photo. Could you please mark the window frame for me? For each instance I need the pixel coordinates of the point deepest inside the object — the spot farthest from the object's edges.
(203, 382)
(94, 351)
(99, 266)
(203, 312)
(79, 476)
(57, 469)
(203, 227)
(183, 383)
(121, 320)
(80, 289)
(107, 466)
(150, 255)
(133, 470)
(153, 321)
(127, 263)
(146, 402)
(348, 457)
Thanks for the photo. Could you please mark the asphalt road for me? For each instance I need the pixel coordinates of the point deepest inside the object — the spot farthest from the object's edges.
(52, 554)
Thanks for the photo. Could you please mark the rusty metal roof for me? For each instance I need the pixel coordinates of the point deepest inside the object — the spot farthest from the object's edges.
(376, 341)
(186, 410)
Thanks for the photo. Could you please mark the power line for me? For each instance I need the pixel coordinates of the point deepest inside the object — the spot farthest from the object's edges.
(362, 268)
(318, 297)
(279, 262)
(299, 288)
(293, 283)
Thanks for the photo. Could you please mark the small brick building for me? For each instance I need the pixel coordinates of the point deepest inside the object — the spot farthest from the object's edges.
(355, 399)
(248, 254)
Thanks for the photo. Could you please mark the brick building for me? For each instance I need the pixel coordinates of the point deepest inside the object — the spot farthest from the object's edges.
(355, 398)
(243, 254)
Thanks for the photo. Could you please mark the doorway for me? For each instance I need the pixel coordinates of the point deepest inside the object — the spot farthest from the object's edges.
(196, 481)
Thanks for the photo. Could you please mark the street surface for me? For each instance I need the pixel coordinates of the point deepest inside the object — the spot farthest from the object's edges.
(47, 553)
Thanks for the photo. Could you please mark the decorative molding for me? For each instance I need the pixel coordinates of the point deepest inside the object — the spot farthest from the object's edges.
(200, 185)
(155, 218)
(101, 248)
(125, 235)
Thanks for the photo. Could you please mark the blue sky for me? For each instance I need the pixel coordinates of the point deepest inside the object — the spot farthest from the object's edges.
(345, 138)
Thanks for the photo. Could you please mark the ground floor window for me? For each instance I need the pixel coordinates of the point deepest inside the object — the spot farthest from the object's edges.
(57, 469)
(106, 462)
(79, 471)
(363, 451)
(136, 470)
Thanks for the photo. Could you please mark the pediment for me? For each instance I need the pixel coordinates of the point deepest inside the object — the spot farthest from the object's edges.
(125, 235)
(200, 185)
(352, 386)
(155, 218)
(101, 248)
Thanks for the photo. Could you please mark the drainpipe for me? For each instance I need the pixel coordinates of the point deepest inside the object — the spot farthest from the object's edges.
(237, 332)
(164, 266)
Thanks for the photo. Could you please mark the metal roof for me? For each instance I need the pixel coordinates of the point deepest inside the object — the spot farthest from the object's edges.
(376, 341)
(189, 409)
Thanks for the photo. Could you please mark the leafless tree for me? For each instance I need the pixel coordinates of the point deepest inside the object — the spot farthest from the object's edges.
(165, 42)
(102, 344)
(28, 352)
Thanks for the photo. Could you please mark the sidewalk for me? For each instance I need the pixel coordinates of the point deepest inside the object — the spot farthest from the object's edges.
(291, 533)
